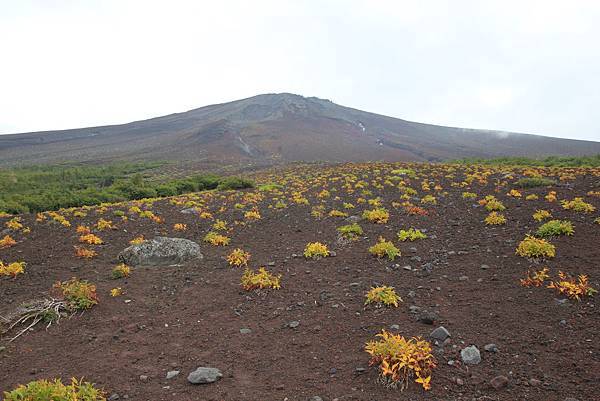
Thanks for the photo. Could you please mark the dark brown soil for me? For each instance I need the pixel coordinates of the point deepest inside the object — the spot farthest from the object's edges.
(182, 317)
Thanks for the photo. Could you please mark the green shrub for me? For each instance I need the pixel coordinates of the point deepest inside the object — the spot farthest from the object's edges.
(234, 183)
(410, 235)
(555, 227)
(533, 182)
(350, 231)
(44, 390)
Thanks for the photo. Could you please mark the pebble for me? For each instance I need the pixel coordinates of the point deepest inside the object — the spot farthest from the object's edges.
(535, 382)
(2, 349)
(491, 347)
(113, 397)
(143, 378)
(484, 267)
(470, 355)
(463, 278)
(172, 373)
(315, 398)
(360, 371)
(204, 375)
(395, 327)
(293, 324)
(440, 334)
(499, 382)
(427, 317)
(245, 331)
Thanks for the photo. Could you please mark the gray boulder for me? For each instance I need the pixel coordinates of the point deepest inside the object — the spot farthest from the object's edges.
(204, 375)
(161, 251)
(470, 355)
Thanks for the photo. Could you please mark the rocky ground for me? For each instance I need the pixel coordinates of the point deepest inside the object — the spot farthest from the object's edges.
(493, 338)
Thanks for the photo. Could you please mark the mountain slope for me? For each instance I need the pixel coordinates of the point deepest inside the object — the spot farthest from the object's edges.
(276, 127)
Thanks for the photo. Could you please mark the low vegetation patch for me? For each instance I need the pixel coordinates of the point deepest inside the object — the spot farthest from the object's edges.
(534, 182)
(555, 228)
(55, 390)
(535, 248)
(260, 280)
(238, 257)
(384, 248)
(382, 296)
(316, 250)
(79, 294)
(350, 231)
(378, 216)
(411, 235)
(578, 205)
(495, 219)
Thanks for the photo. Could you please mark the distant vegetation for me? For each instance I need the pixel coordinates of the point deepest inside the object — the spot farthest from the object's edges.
(41, 188)
(550, 161)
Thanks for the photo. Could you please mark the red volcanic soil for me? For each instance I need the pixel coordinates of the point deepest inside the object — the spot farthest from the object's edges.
(182, 317)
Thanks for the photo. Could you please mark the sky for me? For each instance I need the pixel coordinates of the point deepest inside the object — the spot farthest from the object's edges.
(524, 66)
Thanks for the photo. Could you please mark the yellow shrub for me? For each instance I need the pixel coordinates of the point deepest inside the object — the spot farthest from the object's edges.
(540, 215)
(121, 271)
(44, 390)
(514, 193)
(83, 230)
(84, 253)
(90, 239)
(14, 224)
(238, 257)
(411, 235)
(384, 248)
(572, 288)
(259, 280)
(402, 359)
(220, 225)
(316, 250)
(7, 242)
(337, 213)
(105, 225)
(80, 295)
(578, 205)
(252, 215)
(137, 240)
(180, 227)
(382, 296)
(216, 239)
(12, 269)
(536, 279)
(532, 247)
(379, 215)
(495, 219)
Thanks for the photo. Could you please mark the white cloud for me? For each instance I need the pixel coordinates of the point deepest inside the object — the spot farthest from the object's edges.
(507, 65)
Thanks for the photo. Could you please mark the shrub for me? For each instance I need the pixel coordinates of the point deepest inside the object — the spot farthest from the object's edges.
(316, 250)
(494, 205)
(116, 292)
(252, 215)
(105, 225)
(382, 296)
(259, 280)
(230, 183)
(536, 279)
(216, 239)
(220, 225)
(540, 215)
(7, 242)
(44, 390)
(137, 240)
(533, 182)
(469, 195)
(578, 205)
(85, 253)
(430, 199)
(555, 227)
(12, 269)
(79, 295)
(573, 288)
(402, 359)
(384, 248)
(180, 227)
(238, 257)
(337, 213)
(379, 215)
(495, 219)
(14, 224)
(350, 231)
(121, 271)
(514, 193)
(597, 220)
(531, 197)
(90, 239)
(410, 235)
(532, 247)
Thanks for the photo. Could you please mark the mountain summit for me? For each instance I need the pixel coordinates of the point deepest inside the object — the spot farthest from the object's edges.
(277, 127)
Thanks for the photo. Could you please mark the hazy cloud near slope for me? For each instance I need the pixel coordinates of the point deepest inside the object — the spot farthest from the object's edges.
(507, 65)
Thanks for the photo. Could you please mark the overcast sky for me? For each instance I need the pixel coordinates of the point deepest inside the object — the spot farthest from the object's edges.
(524, 66)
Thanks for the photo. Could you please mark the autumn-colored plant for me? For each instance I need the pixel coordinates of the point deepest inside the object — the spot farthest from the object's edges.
(469, 195)
(105, 225)
(216, 239)
(44, 390)
(572, 288)
(120, 271)
(252, 215)
(555, 227)
(411, 235)
(14, 224)
(378, 216)
(382, 295)
(7, 242)
(514, 193)
(116, 292)
(495, 219)
(220, 225)
(415, 210)
(540, 215)
(259, 280)
(316, 250)
(83, 230)
(384, 248)
(350, 231)
(79, 295)
(535, 279)
(238, 257)
(532, 247)
(12, 269)
(578, 205)
(429, 199)
(400, 360)
(179, 227)
(494, 205)
(90, 239)
(84, 253)
(551, 197)
(337, 213)
(137, 240)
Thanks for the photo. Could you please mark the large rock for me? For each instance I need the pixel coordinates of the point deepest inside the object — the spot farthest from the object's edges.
(161, 251)
(470, 355)
(204, 375)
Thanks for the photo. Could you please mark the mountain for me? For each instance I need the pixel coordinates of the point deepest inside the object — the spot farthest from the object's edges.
(273, 128)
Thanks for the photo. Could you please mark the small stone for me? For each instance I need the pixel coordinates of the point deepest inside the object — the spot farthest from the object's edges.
(463, 278)
(412, 294)
(360, 371)
(171, 374)
(315, 398)
(333, 254)
(204, 375)
(332, 371)
(470, 355)
(484, 267)
(460, 381)
(245, 331)
(143, 378)
(562, 323)
(271, 264)
(395, 327)
(113, 397)
(279, 387)
(427, 317)
(440, 334)
(407, 267)
(499, 382)
(293, 324)
(2, 349)
(490, 347)
(535, 382)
